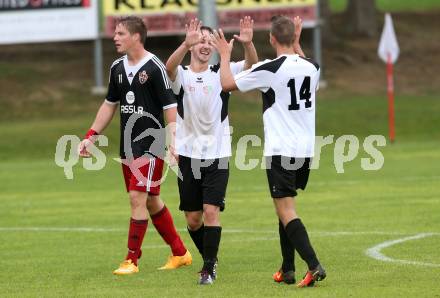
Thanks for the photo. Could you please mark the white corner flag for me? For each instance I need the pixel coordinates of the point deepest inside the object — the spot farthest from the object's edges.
(388, 42)
(388, 51)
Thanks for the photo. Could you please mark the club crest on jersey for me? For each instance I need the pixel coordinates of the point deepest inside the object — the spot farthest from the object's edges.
(143, 77)
(129, 97)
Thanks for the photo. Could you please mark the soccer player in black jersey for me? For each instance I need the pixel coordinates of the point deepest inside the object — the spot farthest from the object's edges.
(288, 85)
(138, 83)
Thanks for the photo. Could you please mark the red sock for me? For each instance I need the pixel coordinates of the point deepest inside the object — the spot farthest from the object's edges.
(165, 226)
(135, 237)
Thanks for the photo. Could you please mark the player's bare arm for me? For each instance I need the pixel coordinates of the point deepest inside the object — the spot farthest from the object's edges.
(224, 49)
(245, 38)
(102, 120)
(193, 37)
(297, 21)
(170, 118)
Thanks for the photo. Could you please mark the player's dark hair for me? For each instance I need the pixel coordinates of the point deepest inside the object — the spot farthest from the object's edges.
(283, 29)
(134, 25)
(209, 29)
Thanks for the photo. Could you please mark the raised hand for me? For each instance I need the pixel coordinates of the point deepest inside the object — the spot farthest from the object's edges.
(246, 30)
(218, 41)
(298, 27)
(193, 33)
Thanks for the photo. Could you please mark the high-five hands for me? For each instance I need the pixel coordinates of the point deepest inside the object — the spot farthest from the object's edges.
(193, 33)
(246, 30)
(218, 41)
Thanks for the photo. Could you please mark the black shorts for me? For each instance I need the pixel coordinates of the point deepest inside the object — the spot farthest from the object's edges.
(204, 182)
(286, 174)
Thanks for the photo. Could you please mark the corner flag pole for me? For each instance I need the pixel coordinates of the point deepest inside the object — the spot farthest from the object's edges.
(390, 89)
(388, 51)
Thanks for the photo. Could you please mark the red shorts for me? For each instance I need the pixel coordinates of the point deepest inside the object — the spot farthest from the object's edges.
(143, 174)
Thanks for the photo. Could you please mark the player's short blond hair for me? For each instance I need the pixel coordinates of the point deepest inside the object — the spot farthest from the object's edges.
(283, 29)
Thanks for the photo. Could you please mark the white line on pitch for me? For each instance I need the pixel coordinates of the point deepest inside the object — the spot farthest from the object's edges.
(375, 251)
(227, 231)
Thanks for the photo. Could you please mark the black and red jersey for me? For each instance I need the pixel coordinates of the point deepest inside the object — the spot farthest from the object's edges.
(143, 92)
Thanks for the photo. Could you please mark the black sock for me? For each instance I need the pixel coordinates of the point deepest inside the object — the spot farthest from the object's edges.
(287, 250)
(211, 242)
(197, 237)
(297, 234)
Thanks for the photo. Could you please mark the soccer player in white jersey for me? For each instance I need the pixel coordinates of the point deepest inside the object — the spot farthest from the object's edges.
(138, 83)
(203, 140)
(288, 84)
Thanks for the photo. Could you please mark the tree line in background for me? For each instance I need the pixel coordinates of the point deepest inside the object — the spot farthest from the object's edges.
(360, 18)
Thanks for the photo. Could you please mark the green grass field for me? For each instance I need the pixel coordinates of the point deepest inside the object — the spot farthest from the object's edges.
(62, 237)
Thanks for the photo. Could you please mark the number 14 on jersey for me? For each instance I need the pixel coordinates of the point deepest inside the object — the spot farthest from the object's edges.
(304, 94)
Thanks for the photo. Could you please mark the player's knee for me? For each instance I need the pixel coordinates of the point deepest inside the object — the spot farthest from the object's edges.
(194, 225)
(194, 220)
(136, 204)
(137, 199)
(286, 215)
(154, 203)
(211, 214)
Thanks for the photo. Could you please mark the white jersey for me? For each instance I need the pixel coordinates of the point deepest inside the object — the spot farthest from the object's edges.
(288, 85)
(202, 113)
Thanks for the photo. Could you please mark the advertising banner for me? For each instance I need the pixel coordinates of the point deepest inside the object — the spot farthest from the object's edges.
(168, 17)
(27, 21)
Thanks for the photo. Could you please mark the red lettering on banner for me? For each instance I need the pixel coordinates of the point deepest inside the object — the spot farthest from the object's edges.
(173, 23)
(36, 3)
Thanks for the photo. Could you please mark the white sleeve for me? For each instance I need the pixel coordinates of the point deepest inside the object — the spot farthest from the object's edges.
(253, 79)
(177, 83)
(317, 77)
(237, 67)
